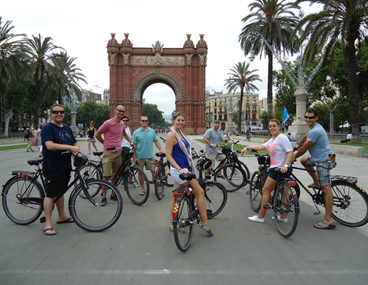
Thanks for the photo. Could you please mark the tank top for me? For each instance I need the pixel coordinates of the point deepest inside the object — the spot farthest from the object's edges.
(179, 156)
(91, 133)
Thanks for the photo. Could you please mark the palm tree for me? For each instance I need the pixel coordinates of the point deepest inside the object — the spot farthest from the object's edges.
(340, 20)
(13, 63)
(64, 77)
(39, 51)
(243, 78)
(273, 21)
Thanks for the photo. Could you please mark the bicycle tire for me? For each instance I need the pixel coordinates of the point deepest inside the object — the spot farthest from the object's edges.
(89, 214)
(255, 191)
(285, 202)
(182, 224)
(23, 210)
(158, 182)
(133, 187)
(350, 204)
(169, 181)
(216, 198)
(90, 171)
(234, 177)
(246, 170)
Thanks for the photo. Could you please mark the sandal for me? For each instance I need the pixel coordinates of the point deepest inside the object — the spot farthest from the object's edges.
(142, 193)
(51, 230)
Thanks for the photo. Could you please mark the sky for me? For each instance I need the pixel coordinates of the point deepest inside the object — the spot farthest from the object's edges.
(83, 29)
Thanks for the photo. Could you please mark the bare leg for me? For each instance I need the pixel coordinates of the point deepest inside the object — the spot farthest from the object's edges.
(269, 185)
(141, 181)
(312, 173)
(48, 205)
(327, 192)
(201, 202)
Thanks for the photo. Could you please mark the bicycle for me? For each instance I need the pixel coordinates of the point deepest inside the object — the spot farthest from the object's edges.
(235, 172)
(185, 213)
(350, 201)
(127, 175)
(23, 195)
(161, 177)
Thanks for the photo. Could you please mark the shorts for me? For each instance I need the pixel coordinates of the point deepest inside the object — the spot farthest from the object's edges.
(175, 175)
(56, 183)
(215, 156)
(112, 162)
(91, 140)
(273, 175)
(323, 170)
(146, 162)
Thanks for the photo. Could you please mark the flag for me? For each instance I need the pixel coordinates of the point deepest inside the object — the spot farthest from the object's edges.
(285, 116)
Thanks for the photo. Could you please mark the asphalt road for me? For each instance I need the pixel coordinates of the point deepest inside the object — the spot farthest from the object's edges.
(140, 250)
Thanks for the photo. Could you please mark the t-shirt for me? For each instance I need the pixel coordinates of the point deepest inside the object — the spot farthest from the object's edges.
(278, 149)
(321, 148)
(124, 142)
(214, 137)
(179, 156)
(56, 161)
(144, 140)
(112, 133)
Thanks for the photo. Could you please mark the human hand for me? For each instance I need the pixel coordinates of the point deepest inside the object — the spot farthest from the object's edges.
(243, 151)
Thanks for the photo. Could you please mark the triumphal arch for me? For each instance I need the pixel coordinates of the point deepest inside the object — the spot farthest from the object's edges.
(134, 69)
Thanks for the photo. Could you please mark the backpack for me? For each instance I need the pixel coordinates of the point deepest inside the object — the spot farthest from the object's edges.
(27, 134)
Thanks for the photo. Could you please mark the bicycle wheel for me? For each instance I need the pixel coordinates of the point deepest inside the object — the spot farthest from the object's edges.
(350, 204)
(216, 198)
(134, 188)
(22, 200)
(89, 214)
(255, 192)
(168, 179)
(183, 226)
(159, 182)
(285, 209)
(234, 177)
(246, 170)
(89, 171)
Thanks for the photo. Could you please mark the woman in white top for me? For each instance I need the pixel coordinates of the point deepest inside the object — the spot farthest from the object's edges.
(281, 154)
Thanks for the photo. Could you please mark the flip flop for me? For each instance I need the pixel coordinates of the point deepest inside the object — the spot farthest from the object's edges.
(67, 221)
(49, 229)
(322, 226)
(142, 193)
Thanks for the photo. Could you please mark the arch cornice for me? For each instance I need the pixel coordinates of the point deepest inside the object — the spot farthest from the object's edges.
(157, 76)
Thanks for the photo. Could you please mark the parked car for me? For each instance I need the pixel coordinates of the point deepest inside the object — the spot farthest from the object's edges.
(258, 131)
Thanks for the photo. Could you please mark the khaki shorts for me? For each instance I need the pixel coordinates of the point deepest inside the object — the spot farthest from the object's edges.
(147, 162)
(111, 163)
(215, 156)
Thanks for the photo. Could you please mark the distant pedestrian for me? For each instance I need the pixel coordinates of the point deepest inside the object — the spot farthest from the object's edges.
(28, 139)
(91, 137)
(39, 141)
(34, 138)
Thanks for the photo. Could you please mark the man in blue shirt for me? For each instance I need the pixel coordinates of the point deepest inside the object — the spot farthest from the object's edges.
(321, 156)
(143, 139)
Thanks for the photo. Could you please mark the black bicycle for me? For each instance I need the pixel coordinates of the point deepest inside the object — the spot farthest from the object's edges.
(185, 214)
(23, 195)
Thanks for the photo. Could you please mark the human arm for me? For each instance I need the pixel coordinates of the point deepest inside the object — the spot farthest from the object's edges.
(289, 159)
(302, 141)
(207, 141)
(50, 145)
(303, 149)
(98, 136)
(255, 147)
(158, 145)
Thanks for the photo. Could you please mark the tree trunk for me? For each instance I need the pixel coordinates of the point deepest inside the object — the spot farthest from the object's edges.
(269, 85)
(240, 110)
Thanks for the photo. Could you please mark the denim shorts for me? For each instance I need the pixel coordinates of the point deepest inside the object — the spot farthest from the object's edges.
(282, 176)
(175, 175)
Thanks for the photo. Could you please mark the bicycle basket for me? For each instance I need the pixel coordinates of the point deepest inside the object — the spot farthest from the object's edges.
(126, 153)
(226, 150)
(203, 163)
(264, 159)
(80, 160)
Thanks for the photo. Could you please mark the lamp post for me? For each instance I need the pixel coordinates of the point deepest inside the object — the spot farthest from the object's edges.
(300, 82)
(73, 104)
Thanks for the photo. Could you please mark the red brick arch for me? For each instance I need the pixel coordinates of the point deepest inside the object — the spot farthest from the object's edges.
(133, 70)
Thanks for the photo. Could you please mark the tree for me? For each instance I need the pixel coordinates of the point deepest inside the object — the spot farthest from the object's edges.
(274, 21)
(154, 115)
(13, 64)
(91, 111)
(340, 20)
(241, 77)
(39, 50)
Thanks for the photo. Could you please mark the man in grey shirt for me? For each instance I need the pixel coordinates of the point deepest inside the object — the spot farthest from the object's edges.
(213, 137)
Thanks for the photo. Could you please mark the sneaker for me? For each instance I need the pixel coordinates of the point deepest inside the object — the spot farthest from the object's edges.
(171, 228)
(113, 197)
(103, 202)
(255, 219)
(280, 219)
(204, 228)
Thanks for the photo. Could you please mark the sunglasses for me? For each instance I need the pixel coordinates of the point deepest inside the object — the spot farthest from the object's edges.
(121, 111)
(311, 118)
(125, 120)
(58, 112)
(144, 121)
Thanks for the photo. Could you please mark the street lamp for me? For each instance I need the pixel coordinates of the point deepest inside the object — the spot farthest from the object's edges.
(300, 82)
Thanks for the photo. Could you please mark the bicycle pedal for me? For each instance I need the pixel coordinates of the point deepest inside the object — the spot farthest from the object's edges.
(42, 220)
(317, 213)
(209, 212)
(268, 206)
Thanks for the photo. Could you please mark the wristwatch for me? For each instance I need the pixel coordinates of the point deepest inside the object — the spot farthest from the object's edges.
(286, 165)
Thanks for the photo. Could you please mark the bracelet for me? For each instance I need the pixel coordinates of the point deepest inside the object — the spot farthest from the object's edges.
(286, 165)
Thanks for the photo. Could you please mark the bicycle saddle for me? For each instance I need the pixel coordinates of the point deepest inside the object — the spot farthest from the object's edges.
(187, 176)
(161, 154)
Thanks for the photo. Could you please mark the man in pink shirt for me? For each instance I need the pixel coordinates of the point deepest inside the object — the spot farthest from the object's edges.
(113, 130)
